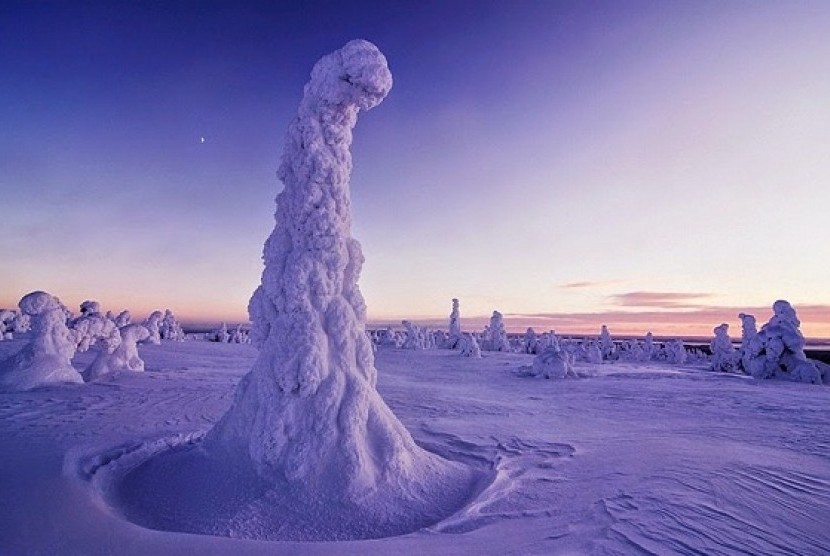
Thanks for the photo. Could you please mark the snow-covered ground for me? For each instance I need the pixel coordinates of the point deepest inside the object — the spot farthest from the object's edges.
(638, 458)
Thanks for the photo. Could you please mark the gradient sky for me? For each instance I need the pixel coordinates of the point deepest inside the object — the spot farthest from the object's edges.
(650, 165)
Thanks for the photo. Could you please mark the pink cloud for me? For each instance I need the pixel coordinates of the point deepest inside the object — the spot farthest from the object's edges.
(666, 300)
(588, 284)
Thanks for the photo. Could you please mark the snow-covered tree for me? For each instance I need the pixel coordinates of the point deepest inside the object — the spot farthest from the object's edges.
(551, 363)
(455, 326)
(90, 308)
(548, 340)
(778, 349)
(495, 336)
(529, 342)
(308, 419)
(169, 328)
(6, 327)
(606, 344)
(675, 352)
(222, 335)
(21, 323)
(124, 356)
(723, 352)
(152, 324)
(47, 357)
(750, 343)
(414, 336)
(469, 346)
(593, 353)
(649, 349)
(92, 327)
(122, 319)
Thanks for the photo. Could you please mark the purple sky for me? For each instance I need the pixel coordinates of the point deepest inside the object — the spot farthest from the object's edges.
(677, 150)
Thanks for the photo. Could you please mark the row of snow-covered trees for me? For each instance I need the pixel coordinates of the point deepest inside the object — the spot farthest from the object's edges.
(494, 337)
(776, 351)
(56, 335)
(238, 335)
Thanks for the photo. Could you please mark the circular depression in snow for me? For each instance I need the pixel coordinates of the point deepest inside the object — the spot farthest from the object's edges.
(178, 486)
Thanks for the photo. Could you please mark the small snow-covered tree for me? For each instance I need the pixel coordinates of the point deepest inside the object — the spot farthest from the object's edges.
(21, 323)
(93, 327)
(455, 333)
(47, 357)
(530, 343)
(606, 344)
(152, 324)
(676, 352)
(169, 328)
(6, 320)
(123, 357)
(723, 352)
(552, 363)
(495, 336)
(90, 308)
(593, 353)
(750, 343)
(122, 319)
(414, 336)
(222, 335)
(469, 346)
(649, 349)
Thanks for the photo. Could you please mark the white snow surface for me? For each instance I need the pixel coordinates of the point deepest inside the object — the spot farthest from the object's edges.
(638, 458)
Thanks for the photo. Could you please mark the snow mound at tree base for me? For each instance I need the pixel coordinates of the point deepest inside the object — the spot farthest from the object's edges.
(186, 489)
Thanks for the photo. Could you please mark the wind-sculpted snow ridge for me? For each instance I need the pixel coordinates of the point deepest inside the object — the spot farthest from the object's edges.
(47, 358)
(309, 450)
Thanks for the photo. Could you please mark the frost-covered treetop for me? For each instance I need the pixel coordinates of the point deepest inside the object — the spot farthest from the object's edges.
(38, 302)
(784, 313)
(357, 74)
(311, 244)
(89, 307)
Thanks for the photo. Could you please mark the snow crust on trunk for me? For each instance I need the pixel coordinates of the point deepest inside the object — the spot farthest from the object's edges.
(325, 455)
(47, 358)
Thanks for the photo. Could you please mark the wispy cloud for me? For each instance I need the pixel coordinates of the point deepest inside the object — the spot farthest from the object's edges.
(663, 300)
(588, 284)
